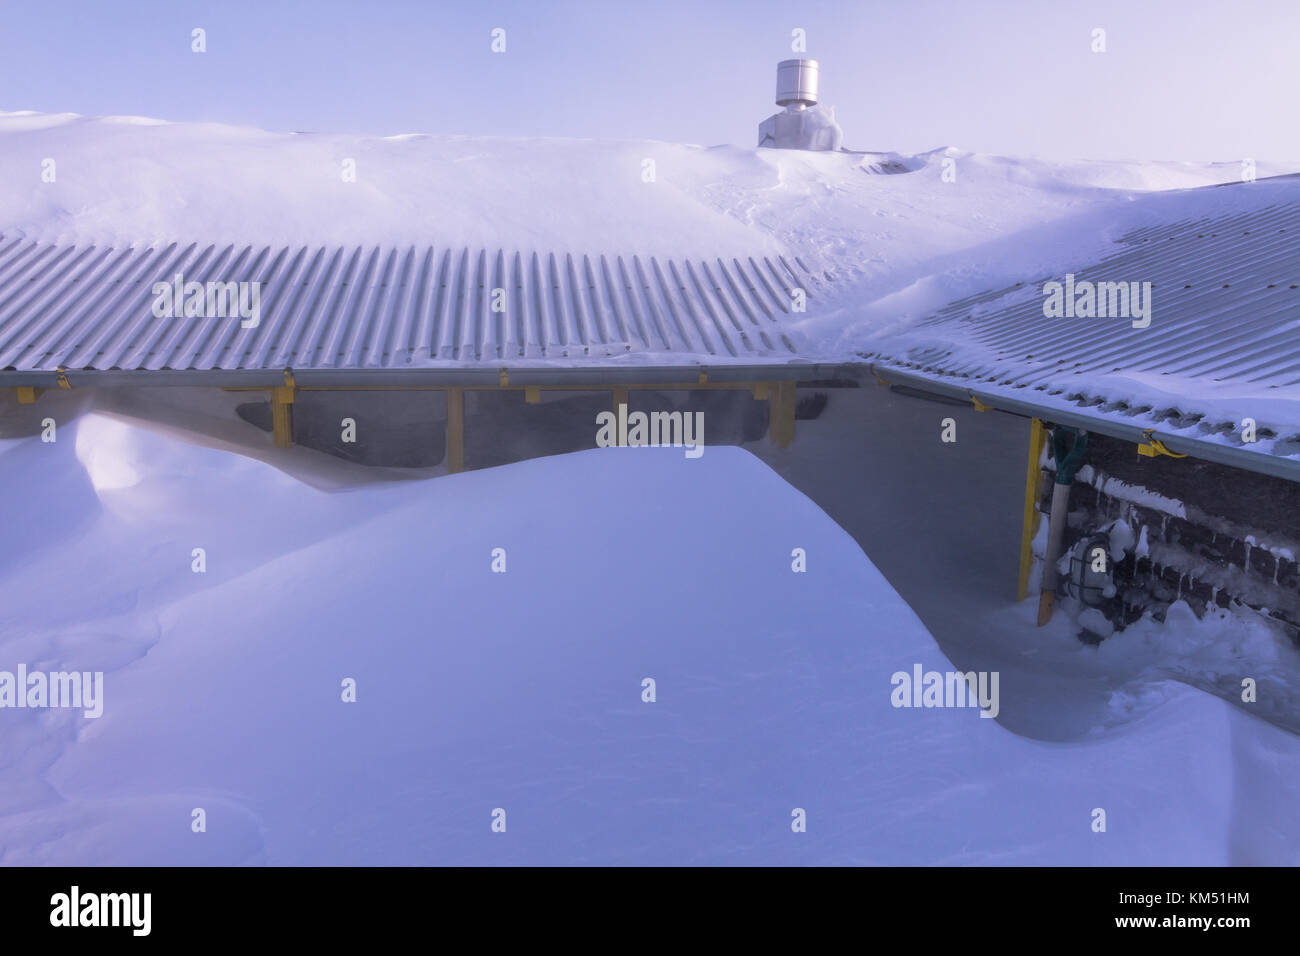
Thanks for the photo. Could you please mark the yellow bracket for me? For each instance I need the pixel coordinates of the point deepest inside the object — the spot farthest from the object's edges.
(980, 406)
(879, 381)
(532, 394)
(63, 378)
(26, 394)
(504, 379)
(760, 391)
(1154, 447)
(704, 378)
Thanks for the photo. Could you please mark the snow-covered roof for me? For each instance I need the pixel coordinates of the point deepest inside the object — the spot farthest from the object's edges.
(387, 308)
(386, 254)
(1220, 344)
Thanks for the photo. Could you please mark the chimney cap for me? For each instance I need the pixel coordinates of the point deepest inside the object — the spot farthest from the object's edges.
(796, 83)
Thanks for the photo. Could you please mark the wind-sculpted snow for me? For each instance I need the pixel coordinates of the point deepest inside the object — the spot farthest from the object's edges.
(523, 691)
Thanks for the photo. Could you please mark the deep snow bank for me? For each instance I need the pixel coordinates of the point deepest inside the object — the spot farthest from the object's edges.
(523, 690)
(126, 180)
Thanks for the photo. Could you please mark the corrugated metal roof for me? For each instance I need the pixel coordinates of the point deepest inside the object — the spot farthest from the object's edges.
(1226, 293)
(90, 307)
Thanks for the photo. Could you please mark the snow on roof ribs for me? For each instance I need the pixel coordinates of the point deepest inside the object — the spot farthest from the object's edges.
(1221, 344)
(1226, 308)
(88, 307)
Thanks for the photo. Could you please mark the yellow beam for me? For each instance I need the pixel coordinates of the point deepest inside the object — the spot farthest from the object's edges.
(781, 417)
(282, 415)
(455, 429)
(1029, 528)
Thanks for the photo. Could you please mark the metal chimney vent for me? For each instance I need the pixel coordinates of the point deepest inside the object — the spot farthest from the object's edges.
(804, 123)
(796, 83)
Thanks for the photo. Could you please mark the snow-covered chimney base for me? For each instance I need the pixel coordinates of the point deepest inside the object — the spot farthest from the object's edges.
(811, 128)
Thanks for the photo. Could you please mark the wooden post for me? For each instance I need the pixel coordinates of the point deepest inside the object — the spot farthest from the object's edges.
(1029, 527)
(620, 398)
(455, 429)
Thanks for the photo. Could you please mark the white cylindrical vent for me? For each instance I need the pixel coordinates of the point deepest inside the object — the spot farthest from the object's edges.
(796, 83)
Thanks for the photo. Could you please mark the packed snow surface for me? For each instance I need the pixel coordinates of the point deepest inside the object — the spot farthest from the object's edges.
(522, 691)
(129, 180)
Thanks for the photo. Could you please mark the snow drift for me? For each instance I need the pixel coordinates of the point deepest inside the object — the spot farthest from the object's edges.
(522, 691)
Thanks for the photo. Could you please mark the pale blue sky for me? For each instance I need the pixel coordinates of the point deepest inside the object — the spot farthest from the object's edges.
(1193, 80)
